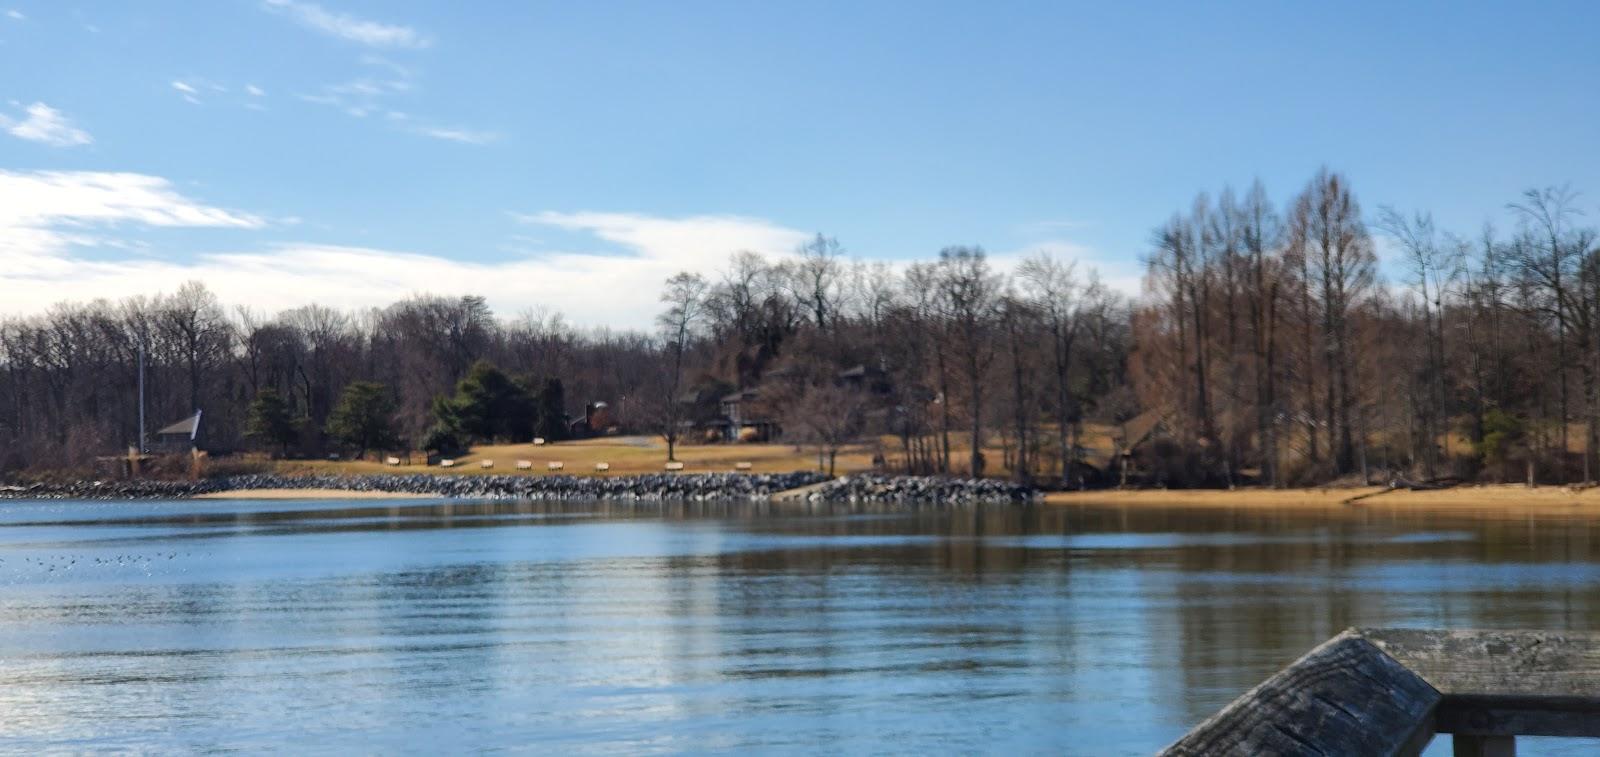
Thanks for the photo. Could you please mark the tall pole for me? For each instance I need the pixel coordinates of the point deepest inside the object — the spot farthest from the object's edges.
(141, 396)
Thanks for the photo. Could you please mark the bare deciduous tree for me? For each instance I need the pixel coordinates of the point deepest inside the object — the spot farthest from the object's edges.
(685, 299)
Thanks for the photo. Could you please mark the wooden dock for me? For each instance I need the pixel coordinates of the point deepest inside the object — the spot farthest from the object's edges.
(1390, 691)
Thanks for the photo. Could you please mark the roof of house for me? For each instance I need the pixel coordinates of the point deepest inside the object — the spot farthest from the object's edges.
(741, 395)
(861, 370)
(1140, 427)
(189, 427)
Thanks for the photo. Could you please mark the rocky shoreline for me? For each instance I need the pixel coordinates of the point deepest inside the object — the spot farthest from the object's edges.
(650, 487)
(693, 486)
(944, 490)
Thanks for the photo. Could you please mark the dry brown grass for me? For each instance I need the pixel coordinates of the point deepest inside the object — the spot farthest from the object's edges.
(647, 454)
(626, 455)
(637, 454)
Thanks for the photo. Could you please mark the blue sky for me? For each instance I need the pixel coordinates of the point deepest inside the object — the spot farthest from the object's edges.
(353, 152)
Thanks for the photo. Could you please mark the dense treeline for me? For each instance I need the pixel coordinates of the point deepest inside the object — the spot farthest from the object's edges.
(1266, 348)
(1280, 355)
(933, 356)
(69, 377)
(942, 351)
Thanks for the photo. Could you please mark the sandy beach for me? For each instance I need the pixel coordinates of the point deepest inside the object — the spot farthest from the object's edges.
(1488, 499)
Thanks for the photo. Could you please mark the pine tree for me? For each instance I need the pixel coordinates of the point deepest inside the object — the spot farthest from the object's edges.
(268, 420)
(364, 417)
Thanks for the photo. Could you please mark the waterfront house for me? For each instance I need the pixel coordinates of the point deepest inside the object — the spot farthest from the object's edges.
(180, 437)
(742, 417)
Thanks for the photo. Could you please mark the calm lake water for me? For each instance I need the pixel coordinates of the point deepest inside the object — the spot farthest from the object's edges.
(419, 626)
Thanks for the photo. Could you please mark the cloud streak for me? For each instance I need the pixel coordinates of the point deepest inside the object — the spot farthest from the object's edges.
(67, 236)
(44, 215)
(45, 125)
(375, 94)
(57, 228)
(347, 27)
(189, 93)
(455, 134)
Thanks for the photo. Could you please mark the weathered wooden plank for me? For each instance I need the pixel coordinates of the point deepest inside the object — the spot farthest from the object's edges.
(1538, 664)
(1534, 683)
(1346, 697)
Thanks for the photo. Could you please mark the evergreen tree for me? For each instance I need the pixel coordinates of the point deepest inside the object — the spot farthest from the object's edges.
(488, 405)
(364, 417)
(268, 420)
(552, 411)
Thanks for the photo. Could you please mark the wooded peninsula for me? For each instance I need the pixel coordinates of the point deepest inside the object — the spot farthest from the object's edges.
(1267, 348)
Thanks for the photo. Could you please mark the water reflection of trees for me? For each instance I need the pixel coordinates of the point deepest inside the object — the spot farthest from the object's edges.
(1218, 614)
(1243, 610)
(1208, 602)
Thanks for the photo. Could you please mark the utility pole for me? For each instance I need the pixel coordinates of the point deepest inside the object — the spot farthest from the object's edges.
(141, 396)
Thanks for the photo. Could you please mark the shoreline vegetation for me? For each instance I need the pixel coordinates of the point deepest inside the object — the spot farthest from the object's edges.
(1267, 348)
(952, 367)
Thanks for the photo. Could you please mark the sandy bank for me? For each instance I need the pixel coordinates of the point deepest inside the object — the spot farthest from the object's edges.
(1511, 499)
(310, 494)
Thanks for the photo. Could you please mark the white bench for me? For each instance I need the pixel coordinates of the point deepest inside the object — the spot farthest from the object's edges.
(447, 463)
(486, 464)
(555, 465)
(674, 466)
(602, 467)
(524, 465)
(538, 441)
(333, 456)
(742, 466)
(392, 460)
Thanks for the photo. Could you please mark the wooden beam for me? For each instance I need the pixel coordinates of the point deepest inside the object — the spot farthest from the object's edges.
(1507, 683)
(1346, 697)
(1540, 664)
(1388, 691)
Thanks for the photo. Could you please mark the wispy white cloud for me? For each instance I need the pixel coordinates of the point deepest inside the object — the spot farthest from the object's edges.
(364, 95)
(45, 215)
(372, 95)
(66, 236)
(51, 222)
(396, 70)
(199, 91)
(187, 90)
(15, 15)
(46, 125)
(457, 134)
(347, 27)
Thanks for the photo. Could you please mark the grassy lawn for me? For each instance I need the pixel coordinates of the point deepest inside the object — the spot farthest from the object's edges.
(625, 454)
(648, 454)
